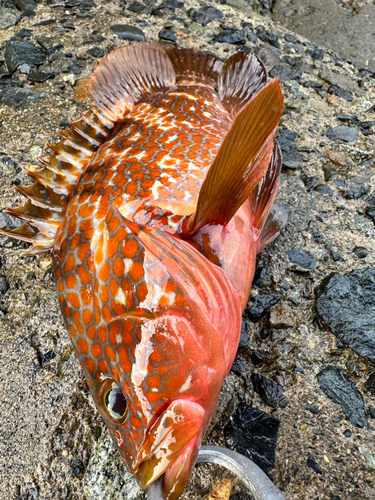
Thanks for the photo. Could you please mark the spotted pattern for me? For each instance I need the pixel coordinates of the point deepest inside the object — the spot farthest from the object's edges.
(113, 292)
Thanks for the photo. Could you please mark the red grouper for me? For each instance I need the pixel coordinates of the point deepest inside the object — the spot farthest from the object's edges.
(154, 206)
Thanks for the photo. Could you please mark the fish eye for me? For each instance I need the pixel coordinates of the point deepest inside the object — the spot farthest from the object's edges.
(115, 403)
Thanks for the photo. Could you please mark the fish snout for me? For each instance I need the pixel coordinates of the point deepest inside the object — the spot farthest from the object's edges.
(169, 441)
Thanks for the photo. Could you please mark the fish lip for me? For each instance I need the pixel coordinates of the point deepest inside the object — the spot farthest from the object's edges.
(166, 439)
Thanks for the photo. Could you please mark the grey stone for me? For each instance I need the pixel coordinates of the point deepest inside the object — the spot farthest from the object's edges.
(347, 305)
(253, 433)
(261, 306)
(342, 133)
(302, 258)
(19, 97)
(370, 460)
(127, 32)
(270, 392)
(23, 4)
(343, 391)
(8, 17)
(19, 51)
(205, 15)
(285, 72)
(268, 56)
(167, 35)
(291, 160)
(106, 477)
(235, 37)
(339, 80)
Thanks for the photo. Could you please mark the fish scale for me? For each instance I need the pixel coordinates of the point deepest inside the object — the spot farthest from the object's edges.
(154, 206)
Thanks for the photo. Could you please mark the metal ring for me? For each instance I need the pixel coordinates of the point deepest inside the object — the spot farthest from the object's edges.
(256, 481)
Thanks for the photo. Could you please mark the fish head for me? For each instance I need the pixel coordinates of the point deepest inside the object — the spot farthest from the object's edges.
(158, 410)
(158, 389)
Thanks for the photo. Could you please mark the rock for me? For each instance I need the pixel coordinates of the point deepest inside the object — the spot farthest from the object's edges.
(204, 15)
(315, 53)
(239, 367)
(309, 181)
(262, 304)
(8, 17)
(302, 259)
(230, 36)
(167, 35)
(268, 56)
(356, 191)
(268, 37)
(343, 391)
(344, 94)
(324, 189)
(340, 80)
(371, 411)
(23, 4)
(244, 339)
(281, 317)
(370, 383)
(370, 211)
(257, 358)
(291, 161)
(19, 51)
(285, 72)
(270, 392)
(19, 97)
(361, 252)
(254, 434)
(347, 305)
(127, 32)
(140, 8)
(370, 461)
(259, 275)
(342, 133)
(82, 91)
(311, 462)
(39, 76)
(4, 285)
(106, 477)
(96, 52)
(313, 409)
(371, 200)
(25, 69)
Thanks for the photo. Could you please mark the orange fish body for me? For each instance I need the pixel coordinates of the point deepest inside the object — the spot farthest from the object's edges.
(154, 207)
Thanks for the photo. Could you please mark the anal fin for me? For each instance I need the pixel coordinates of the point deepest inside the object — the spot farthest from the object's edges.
(276, 220)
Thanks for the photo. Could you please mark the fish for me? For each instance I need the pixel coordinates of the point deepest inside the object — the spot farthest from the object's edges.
(154, 206)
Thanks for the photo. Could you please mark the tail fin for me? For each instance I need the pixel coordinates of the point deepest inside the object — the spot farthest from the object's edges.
(242, 160)
(120, 80)
(268, 218)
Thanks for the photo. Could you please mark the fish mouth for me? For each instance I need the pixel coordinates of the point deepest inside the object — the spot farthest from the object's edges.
(171, 445)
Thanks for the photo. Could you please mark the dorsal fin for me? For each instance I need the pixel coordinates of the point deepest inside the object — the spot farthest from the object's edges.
(128, 73)
(194, 65)
(242, 76)
(48, 197)
(241, 161)
(120, 80)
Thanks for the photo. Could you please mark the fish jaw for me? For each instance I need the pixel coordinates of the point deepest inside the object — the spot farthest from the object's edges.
(173, 438)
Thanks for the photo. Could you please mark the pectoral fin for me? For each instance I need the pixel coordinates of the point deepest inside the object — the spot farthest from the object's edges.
(242, 160)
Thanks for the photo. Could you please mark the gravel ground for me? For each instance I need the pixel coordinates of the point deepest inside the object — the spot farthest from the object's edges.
(302, 385)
